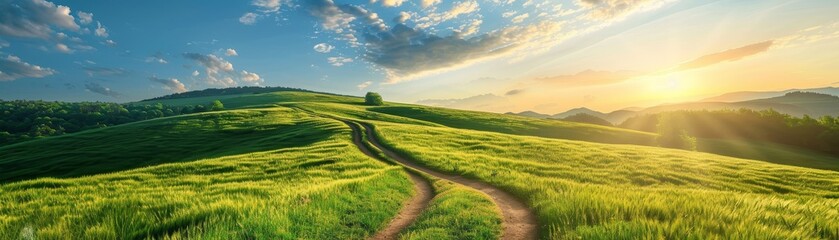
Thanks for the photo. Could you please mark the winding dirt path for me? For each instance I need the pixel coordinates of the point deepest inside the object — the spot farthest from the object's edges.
(409, 213)
(519, 222)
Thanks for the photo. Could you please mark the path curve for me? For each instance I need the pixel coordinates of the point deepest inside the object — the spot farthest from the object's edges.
(518, 220)
(409, 213)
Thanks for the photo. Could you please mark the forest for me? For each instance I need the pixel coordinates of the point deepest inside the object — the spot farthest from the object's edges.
(23, 120)
(820, 134)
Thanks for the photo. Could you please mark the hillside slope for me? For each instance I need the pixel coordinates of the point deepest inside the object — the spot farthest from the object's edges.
(276, 168)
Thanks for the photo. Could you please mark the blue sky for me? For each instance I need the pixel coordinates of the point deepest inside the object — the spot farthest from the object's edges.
(493, 55)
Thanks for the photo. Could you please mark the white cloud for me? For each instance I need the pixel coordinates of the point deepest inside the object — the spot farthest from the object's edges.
(412, 52)
(34, 18)
(508, 14)
(217, 69)
(429, 3)
(63, 48)
(403, 17)
(271, 5)
(231, 52)
(158, 58)
(171, 84)
(339, 61)
(470, 28)
(248, 18)
(110, 43)
(364, 85)
(617, 9)
(101, 31)
(250, 77)
(323, 48)
(460, 8)
(12, 68)
(85, 18)
(220, 72)
(334, 19)
(389, 3)
(264, 8)
(520, 18)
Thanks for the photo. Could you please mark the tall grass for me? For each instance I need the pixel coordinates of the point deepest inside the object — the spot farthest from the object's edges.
(601, 191)
(456, 212)
(304, 189)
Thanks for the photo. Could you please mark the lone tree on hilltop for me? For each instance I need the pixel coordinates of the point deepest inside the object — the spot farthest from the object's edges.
(373, 99)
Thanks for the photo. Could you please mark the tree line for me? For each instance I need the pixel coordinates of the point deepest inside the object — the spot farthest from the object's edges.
(23, 120)
(821, 134)
(227, 91)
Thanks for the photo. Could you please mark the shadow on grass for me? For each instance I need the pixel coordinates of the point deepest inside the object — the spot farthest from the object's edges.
(180, 139)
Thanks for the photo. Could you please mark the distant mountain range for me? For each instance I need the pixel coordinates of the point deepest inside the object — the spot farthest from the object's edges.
(813, 102)
(749, 95)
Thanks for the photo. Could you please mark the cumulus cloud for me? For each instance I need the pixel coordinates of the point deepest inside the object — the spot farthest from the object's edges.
(248, 18)
(96, 88)
(231, 52)
(726, 56)
(339, 61)
(402, 17)
(264, 8)
(364, 85)
(12, 68)
(429, 3)
(60, 47)
(85, 18)
(389, 3)
(215, 68)
(323, 48)
(271, 5)
(100, 31)
(338, 18)
(220, 72)
(171, 84)
(590, 78)
(34, 18)
(250, 77)
(405, 52)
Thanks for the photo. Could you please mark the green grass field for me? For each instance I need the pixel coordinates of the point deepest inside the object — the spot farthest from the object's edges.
(269, 169)
(601, 191)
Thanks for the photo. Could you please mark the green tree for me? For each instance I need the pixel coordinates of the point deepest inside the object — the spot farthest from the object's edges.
(373, 99)
(216, 106)
(671, 135)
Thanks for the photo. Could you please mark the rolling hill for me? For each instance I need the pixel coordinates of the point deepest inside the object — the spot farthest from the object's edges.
(305, 165)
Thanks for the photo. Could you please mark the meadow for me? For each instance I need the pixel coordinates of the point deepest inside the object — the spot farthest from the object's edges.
(271, 168)
(604, 191)
(267, 174)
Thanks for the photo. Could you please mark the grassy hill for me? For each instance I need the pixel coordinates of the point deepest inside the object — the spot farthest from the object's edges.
(278, 166)
(586, 190)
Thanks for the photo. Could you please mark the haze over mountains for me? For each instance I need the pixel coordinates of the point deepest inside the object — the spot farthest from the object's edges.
(814, 102)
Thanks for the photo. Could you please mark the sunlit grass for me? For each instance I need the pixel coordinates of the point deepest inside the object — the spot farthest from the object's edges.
(315, 190)
(601, 191)
(457, 212)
